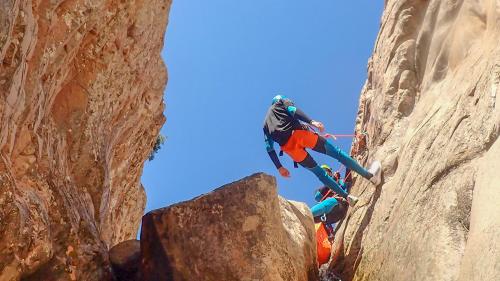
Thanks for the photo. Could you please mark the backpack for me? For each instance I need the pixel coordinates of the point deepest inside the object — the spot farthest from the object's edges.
(323, 245)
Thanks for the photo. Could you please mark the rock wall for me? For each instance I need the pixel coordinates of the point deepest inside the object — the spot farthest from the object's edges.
(81, 102)
(431, 108)
(241, 231)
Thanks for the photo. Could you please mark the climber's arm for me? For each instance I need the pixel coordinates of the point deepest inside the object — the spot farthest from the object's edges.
(299, 114)
(302, 116)
(270, 149)
(345, 185)
(318, 196)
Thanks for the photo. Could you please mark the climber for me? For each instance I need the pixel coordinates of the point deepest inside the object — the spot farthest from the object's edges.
(283, 125)
(331, 207)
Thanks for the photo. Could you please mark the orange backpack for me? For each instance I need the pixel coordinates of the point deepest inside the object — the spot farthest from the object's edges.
(322, 244)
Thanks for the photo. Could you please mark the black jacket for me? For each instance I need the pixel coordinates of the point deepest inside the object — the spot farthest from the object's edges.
(281, 120)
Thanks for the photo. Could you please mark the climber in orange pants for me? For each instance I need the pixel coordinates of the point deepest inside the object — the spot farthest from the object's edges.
(283, 125)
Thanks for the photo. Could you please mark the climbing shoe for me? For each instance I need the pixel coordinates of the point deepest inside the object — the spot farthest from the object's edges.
(352, 200)
(376, 171)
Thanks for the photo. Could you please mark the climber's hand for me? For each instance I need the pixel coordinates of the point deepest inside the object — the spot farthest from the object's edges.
(318, 125)
(284, 172)
(330, 136)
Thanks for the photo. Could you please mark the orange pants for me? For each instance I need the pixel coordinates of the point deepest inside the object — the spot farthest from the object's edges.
(296, 146)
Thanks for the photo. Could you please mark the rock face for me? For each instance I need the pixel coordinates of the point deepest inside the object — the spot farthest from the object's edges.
(81, 91)
(241, 231)
(432, 113)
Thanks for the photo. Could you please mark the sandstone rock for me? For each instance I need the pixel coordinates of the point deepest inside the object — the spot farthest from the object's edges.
(125, 259)
(81, 102)
(241, 231)
(481, 260)
(430, 107)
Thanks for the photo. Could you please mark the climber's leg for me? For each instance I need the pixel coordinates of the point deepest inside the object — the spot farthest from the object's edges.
(312, 166)
(295, 148)
(324, 207)
(325, 147)
(318, 196)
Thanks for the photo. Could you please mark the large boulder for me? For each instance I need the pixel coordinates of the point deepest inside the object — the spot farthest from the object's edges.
(241, 231)
(125, 258)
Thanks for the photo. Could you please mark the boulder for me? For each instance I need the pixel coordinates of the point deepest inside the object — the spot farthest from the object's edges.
(241, 231)
(125, 259)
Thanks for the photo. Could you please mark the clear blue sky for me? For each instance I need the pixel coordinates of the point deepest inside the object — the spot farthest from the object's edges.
(227, 59)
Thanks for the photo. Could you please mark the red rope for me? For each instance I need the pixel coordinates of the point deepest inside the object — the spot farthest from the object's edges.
(326, 195)
(327, 135)
(338, 136)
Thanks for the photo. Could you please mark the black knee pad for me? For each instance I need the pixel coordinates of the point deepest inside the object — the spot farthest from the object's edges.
(308, 163)
(320, 145)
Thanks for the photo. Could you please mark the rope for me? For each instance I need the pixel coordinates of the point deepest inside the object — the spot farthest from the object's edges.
(327, 135)
(338, 136)
(335, 136)
(326, 195)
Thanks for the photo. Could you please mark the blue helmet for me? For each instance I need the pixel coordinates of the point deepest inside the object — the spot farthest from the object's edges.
(278, 98)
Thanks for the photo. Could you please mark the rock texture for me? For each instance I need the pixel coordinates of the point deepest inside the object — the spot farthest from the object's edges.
(432, 113)
(241, 231)
(81, 91)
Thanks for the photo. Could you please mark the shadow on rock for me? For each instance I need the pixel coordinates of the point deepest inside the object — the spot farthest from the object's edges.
(345, 264)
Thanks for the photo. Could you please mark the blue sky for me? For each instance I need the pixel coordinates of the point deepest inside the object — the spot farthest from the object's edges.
(227, 59)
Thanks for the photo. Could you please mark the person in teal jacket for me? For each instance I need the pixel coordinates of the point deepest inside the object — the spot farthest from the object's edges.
(331, 207)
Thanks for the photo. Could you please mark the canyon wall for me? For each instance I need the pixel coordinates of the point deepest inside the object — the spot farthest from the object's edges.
(431, 110)
(81, 104)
